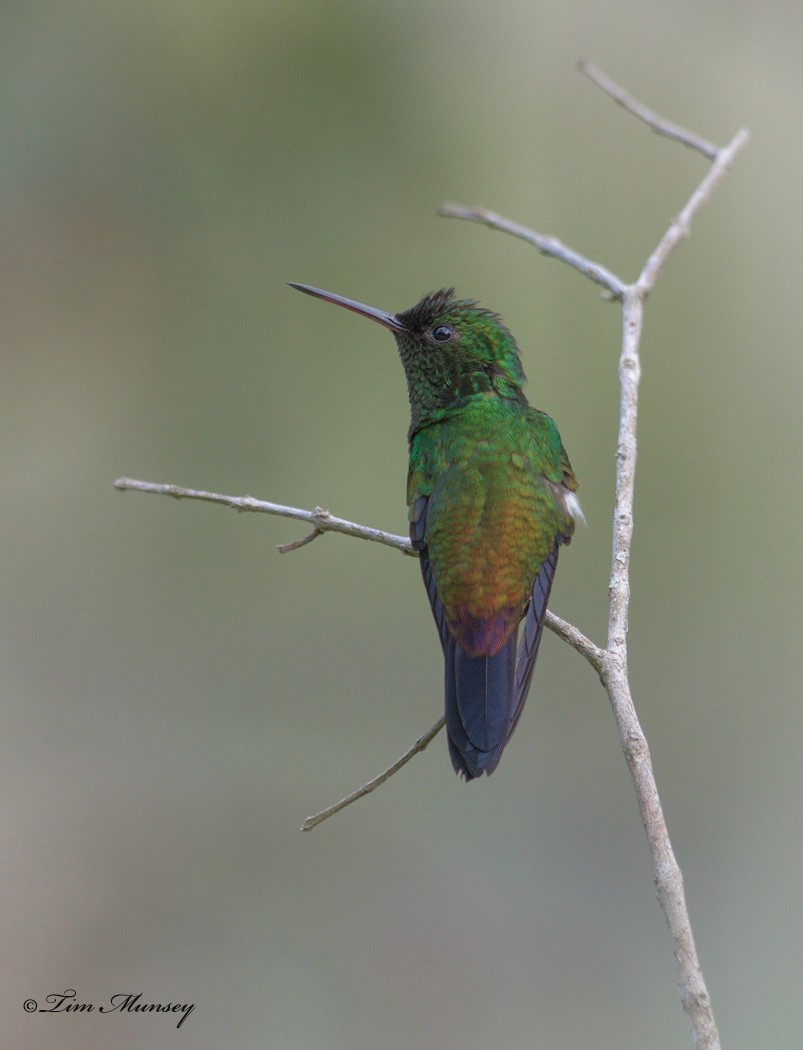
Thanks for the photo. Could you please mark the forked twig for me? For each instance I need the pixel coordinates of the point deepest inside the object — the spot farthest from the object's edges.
(613, 665)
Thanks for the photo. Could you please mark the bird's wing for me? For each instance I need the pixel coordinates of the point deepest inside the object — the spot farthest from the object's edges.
(418, 529)
(531, 633)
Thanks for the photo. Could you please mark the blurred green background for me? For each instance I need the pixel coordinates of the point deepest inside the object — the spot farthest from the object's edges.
(176, 697)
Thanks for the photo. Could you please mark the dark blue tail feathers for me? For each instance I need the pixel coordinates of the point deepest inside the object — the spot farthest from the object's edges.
(485, 694)
(479, 693)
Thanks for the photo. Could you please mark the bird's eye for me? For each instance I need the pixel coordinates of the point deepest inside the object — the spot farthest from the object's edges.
(442, 333)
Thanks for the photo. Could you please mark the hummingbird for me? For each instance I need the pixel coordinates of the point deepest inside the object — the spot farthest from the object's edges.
(491, 498)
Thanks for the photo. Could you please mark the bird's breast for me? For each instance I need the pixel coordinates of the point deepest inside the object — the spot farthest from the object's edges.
(491, 523)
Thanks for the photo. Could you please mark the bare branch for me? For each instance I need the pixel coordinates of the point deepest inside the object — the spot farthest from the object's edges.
(666, 872)
(547, 245)
(326, 522)
(681, 226)
(612, 663)
(320, 519)
(629, 375)
(658, 124)
(366, 789)
(576, 639)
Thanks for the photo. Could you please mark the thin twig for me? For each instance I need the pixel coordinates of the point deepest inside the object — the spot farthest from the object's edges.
(576, 639)
(544, 243)
(286, 548)
(320, 519)
(659, 125)
(681, 226)
(326, 522)
(366, 789)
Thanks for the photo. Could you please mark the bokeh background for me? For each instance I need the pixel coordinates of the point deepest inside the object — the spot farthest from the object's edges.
(177, 697)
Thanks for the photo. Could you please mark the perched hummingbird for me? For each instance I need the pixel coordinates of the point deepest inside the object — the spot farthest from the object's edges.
(491, 497)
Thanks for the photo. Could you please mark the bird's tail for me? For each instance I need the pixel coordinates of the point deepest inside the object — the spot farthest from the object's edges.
(480, 692)
(485, 694)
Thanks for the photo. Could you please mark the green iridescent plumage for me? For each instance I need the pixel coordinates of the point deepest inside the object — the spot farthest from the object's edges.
(491, 498)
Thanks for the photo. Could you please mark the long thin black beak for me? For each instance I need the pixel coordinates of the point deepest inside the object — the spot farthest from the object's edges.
(381, 316)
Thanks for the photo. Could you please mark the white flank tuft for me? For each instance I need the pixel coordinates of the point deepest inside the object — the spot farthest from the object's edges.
(573, 508)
